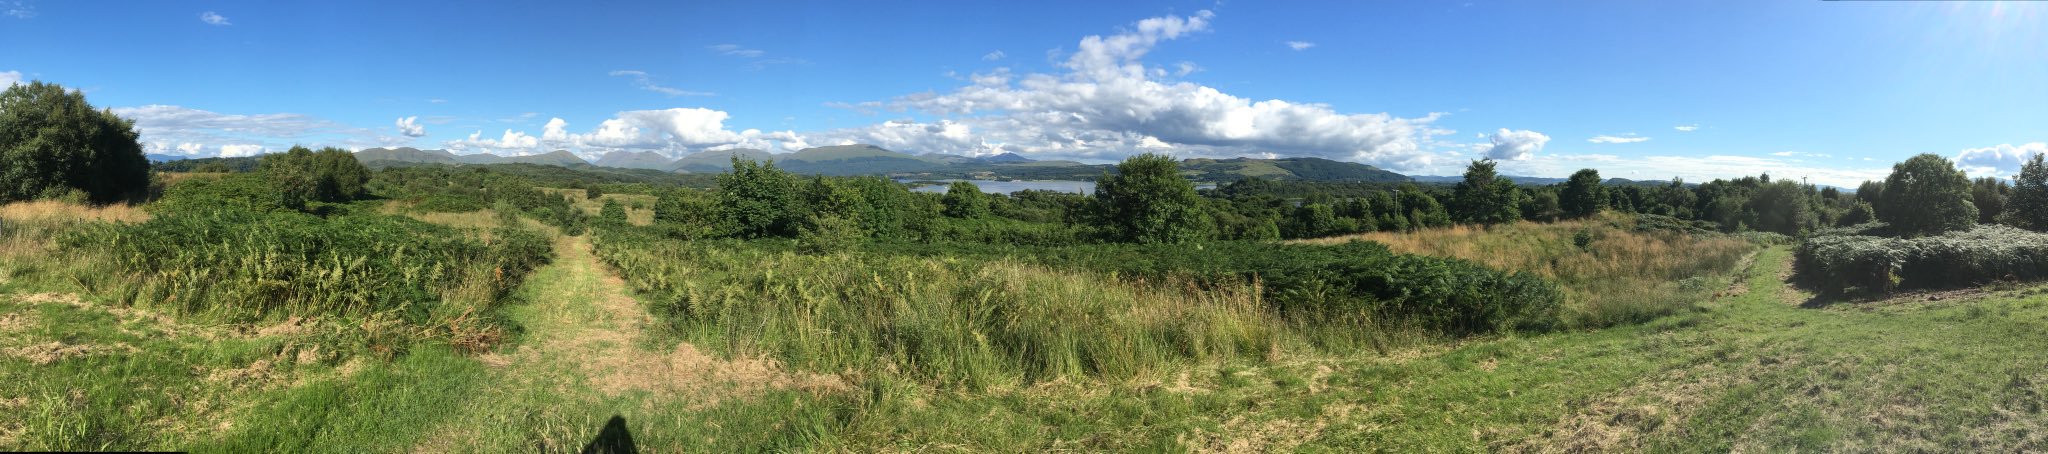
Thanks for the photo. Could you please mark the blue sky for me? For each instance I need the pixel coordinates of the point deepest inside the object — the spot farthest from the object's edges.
(1832, 91)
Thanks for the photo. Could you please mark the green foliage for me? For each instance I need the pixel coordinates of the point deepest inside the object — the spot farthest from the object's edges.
(1858, 214)
(1782, 207)
(1926, 195)
(1989, 195)
(52, 142)
(463, 189)
(1485, 197)
(2027, 207)
(1147, 201)
(1313, 220)
(965, 200)
(301, 176)
(612, 212)
(243, 265)
(759, 200)
(1582, 195)
(1862, 258)
(244, 191)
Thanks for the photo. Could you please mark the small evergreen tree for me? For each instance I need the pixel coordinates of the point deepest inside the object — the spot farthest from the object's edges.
(1485, 197)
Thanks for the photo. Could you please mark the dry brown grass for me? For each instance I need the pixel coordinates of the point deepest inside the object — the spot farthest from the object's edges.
(176, 177)
(1621, 273)
(56, 211)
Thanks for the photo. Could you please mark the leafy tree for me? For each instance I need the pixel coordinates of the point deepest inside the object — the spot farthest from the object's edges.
(612, 212)
(1989, 195)
(52, 142)
(1423, 210)
(2027, 207)
(1148, 201)
(1858, 214)
(759, 200)
(302, 175)
(1582, 196)
(1314, 220)
(1485, 197)
(965, 200)
(1926, 195)
(1781, 207)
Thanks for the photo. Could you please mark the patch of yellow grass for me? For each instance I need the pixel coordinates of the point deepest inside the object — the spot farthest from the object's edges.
(55, 211)
(591, 207)
(1620, 272)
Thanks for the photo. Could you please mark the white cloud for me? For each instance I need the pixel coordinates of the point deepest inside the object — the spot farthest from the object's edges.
(9, 78)
(1694, 169)
(1686, 128)
(669, 131)
(993, 56)
(1300, 45)
(2002, 160)
(1515, 145)
(410, 127)
(240, 150)
(1801, 154)
(1625, 138)
(736, 50)
(212, 18)
(645, 82)
(1107, 103)
(276, 131)
(190, 149)
(17, 8)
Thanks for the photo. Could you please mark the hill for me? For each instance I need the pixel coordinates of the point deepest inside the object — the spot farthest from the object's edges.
(1309, 169)
(636, 160)
(714, 161)
(405, 154)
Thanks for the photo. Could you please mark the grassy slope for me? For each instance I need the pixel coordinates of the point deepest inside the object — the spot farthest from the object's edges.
(1752, 369)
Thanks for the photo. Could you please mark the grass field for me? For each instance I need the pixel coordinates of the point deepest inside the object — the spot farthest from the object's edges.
(1752, 364)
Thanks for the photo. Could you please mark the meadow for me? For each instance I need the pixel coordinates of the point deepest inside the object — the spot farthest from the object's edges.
(465, 309)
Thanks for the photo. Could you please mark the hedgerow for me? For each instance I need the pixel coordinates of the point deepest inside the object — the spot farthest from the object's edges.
(1863, 258)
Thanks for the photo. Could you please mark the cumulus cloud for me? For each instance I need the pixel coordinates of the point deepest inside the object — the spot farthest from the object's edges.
(993, 56)
(646, 82)
(240, 150)
(1625, 138)
(1107, 103)
(1686, 128)
(212, 18)
(163, 124)
(1515, 145)
(410, 127)
(1300, 45)
(668, 131)
(2002, 160)
(9, 78)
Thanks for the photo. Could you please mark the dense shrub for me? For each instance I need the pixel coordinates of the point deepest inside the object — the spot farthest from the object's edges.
(1861, 258)
(52, 143)
(244, 265)
(1339, 284)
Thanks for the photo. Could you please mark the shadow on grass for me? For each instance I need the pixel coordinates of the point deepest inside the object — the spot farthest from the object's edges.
(614, 439)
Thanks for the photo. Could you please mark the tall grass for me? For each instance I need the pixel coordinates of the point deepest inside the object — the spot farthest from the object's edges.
(1621, 274)
(942, 322)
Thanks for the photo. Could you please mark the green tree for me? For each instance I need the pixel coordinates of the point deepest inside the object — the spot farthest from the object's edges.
(1926, 195)
(1781, 207)
(759, 200)
(52, 142)
(1485, 197)
(1582, 194)
(1314, 220)
(1148, 201)
(965, 200)
(612, 212)
(2027, 206)
(1989, 195)
(301, 175)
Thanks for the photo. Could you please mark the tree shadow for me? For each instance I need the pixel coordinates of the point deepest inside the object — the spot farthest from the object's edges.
(613, 439)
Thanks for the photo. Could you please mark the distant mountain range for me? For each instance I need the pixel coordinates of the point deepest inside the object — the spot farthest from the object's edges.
(847, 160)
